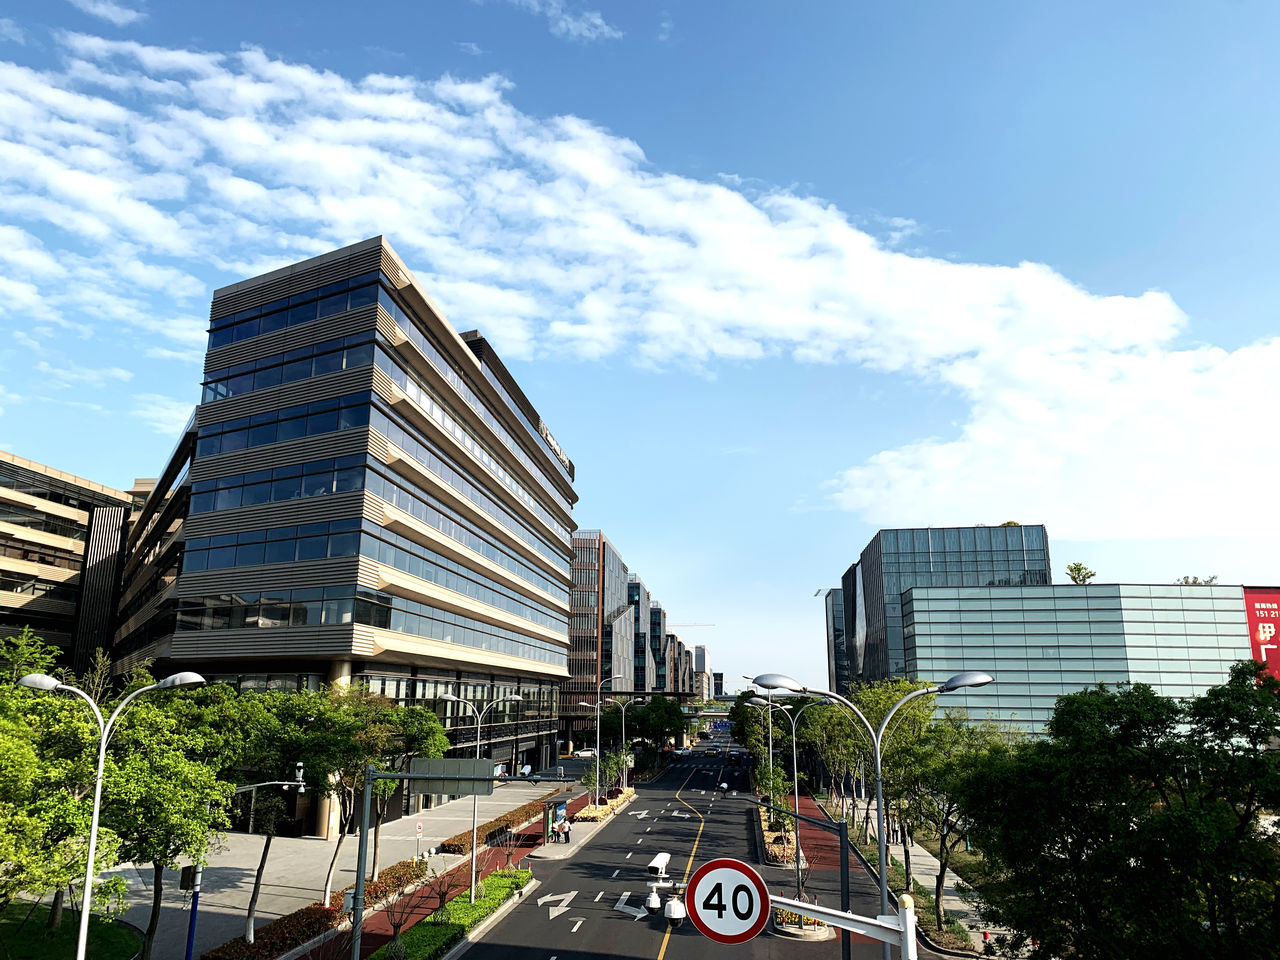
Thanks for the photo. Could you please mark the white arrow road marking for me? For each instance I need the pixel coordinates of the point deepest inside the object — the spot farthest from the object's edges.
(636, 912)
(564, 898)
(681, 813)
(579, 922)
(639, 814)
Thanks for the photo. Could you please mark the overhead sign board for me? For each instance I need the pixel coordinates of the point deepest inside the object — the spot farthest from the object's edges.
(1262, 612)
(727, 901)
(467, 776)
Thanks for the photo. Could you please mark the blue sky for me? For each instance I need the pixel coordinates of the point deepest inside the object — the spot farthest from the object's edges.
(776, 275)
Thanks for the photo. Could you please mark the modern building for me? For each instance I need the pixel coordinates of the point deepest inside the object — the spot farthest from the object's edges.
(364, 495)
(838, 673)
(897, 560)
(717, 684)
(658, 645)
(643, 670)
(701, 676)
(59, 538)
(1042, 641)
(601, 631)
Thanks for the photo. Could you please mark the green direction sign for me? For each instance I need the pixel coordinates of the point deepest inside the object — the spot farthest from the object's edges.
(460, 777)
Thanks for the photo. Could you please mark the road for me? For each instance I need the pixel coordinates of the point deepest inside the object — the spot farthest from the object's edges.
(588, 901)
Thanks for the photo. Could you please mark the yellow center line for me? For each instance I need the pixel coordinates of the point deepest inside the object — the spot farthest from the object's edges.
(688, 867)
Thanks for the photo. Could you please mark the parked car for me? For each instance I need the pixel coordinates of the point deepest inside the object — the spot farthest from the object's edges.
(585, 753)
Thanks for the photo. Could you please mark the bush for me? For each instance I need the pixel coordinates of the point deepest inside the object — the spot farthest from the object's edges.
(434, 937)
(279, 936)
(461, 842)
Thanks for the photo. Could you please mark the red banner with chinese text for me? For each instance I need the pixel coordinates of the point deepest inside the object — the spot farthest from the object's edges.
(1262, 608)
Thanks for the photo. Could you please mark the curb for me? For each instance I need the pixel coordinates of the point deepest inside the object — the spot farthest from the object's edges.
(787, 933)
(469, 939)
(580, 844)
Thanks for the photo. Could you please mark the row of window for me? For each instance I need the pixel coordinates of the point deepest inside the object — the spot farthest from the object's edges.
(35, 554)
(934, 539)
(32, 587)
(55, 491)
(277, 426)
(430, 456)
(440, 411)
(415, 501)
(344, 353)
(39, 520)
(314, 479)
(396, 551)
(307, 541)
(326, 301)
(344, 605)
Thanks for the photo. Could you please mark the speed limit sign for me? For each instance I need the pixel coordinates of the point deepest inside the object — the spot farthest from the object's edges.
(727, 901)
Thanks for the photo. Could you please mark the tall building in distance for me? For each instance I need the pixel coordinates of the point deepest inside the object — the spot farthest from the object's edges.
(658, 644)
(365, 495)
(601, 630)
(897, 560)
(643, 670)
(717, 684)
(701, 675)
(838, 672)
(59, 537)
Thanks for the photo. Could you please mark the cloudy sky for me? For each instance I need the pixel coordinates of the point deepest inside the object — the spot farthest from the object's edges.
(776, 275)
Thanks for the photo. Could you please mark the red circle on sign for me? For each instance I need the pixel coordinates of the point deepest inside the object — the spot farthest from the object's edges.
(709, 926)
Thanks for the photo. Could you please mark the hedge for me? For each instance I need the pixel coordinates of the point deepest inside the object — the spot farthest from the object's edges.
(592, 813)
(435, 936)
(461, 842)
(278, 936)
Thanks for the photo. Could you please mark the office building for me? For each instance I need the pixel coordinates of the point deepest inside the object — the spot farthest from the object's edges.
(701, 675)
(838, 674)
(59, 540)
(717, 684)
(601, 631)
(642, 670)
(897, 560)
(658, 644)
(366, 496)
(1040, 642)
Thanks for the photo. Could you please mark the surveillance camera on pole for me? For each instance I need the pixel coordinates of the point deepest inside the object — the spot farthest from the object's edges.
(658, 865)
(653, 903)
(675, 913)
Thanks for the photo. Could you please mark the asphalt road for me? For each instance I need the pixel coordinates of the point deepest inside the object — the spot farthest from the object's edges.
(586, 899)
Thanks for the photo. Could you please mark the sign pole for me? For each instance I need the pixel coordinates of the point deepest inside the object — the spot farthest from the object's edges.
(357, 902)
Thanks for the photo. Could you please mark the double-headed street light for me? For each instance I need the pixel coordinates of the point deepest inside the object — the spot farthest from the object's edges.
(599, 694)
(40, 681)
(795, 766)
(626, 747)
(513, 698)
(970, 678)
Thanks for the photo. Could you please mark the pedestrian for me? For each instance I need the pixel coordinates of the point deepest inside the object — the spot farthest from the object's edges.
(561, 835)
(568, 829)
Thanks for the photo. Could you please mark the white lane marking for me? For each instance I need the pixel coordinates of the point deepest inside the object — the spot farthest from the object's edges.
(581, 921)
(598, 896)
(628, 857)
(647, 829)
(615, 873)
(641, 840)
(564, 898)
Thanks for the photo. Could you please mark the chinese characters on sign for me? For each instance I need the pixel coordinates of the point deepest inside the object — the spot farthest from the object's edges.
(1262, 610)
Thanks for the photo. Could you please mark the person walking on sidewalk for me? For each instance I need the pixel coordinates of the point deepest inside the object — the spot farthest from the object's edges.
(568, 829)
(560, 831)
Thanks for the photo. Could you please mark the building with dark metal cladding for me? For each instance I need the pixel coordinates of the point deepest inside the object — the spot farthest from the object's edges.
(365, 496)
(57, 533)
(838, 675)
(643, 669)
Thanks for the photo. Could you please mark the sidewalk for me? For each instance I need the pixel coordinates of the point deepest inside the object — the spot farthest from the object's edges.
(295, 870)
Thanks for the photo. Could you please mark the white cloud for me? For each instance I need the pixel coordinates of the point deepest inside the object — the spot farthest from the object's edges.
(139, 165)
(166, 415)
(112, 12)
(469, 48)
(666, 27)
(11, 31)
(73, 374)
(582, 25)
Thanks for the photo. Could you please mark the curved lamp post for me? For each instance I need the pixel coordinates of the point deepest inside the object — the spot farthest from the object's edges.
(599, 694)
(795, 766)
(40, 681)
(970, 678)
(474, 799)
(626, 747)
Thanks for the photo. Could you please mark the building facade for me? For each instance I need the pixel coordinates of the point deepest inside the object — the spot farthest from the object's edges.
(717, 684)
(897, 560)
(601, 631)
(658, 646)
(55, 529)
(365, 495)
(838, 674)
(1040, 642)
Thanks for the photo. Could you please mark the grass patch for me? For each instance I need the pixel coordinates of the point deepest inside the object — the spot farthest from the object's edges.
(436, 935)
(966, 866)
(108, 940)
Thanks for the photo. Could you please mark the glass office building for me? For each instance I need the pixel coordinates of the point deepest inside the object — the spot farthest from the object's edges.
(1040, 642)
(838, 675)
(898, 560)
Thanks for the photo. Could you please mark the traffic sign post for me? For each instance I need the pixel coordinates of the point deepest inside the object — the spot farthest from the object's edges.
(417, 853)
(727, 901)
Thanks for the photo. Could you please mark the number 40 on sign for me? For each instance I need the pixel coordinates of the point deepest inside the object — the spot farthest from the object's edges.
(727, 901)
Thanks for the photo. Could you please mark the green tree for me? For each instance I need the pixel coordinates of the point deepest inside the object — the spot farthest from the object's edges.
(830, 733)
(26, 653)
(1187, 581)
(415, 732)
(659, 720)
(1079, 573)
(1134, 828)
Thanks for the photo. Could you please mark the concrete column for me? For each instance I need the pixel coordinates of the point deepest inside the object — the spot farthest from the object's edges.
(327, 809)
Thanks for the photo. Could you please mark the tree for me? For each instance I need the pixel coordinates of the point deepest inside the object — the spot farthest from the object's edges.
(660, 720)
(415, 732)
(830, 733)
(26, 653)
(1079, 573)
(1133, 828)
(944, 754)
(1197, 581)
(340, 734)
(1011, 523)
(400, 909)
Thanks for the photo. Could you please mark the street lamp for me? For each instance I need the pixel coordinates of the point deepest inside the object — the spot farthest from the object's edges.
(626, 747)
(474, 798)
(40, 681)
(769, 703)
(599, 694)
(778, 681)
(795, 769)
